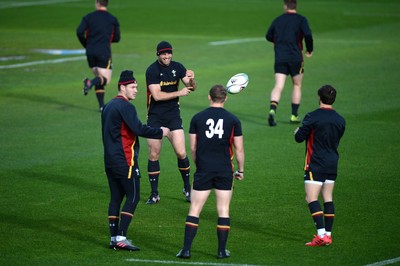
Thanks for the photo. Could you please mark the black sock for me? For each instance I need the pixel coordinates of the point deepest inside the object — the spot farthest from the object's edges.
(153, 169)
(99, 89)
(126, 219)
(273, 105)
(184, 168)
(191, 225)
(99, 80)
(317, 214)
(223, 229)
(295, 108)
(113, 222)
(329, 211)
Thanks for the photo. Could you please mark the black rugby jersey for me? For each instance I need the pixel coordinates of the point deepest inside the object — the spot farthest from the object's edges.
(120, 130)
(168, 77)
(322, 130)
(97, 31)
(215, 129)
(287, 32)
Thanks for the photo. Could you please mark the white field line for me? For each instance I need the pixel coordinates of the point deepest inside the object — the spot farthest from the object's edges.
(235, 41)
(60, 51)
(42, 62)
(36, 3)
(187, 263)
(385, 262)
(339, 41)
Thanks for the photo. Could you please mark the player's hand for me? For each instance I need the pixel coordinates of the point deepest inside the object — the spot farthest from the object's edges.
(308, 54)
(238, 175)
(165, 131)
(185, 91)
(190, 76)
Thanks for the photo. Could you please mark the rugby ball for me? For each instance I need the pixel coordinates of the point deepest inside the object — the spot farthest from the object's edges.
(237, 83)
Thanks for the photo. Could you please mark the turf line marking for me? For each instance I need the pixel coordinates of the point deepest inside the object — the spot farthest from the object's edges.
(53, 61)
(236, 41)
(9, 58)
(384, 262)
(60, 51)
(37, 3)
(187, 263)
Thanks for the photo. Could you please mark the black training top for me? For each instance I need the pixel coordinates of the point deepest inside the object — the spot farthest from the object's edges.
(287, 32)
(120, 130)
(96, 32)
(168, 77)
(322, 130)
(215, 129)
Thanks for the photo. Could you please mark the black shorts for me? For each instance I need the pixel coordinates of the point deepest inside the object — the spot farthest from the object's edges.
(173, 123)
(103, 61)
(123, 172)
(318, 177)
(292, 68)
(221, 181)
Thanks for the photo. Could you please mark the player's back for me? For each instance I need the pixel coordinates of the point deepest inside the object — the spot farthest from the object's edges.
(215, 129)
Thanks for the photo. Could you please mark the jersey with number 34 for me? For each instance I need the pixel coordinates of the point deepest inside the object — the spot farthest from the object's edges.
(215, 129)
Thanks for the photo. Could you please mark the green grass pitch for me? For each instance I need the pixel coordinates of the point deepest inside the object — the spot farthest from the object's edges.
(54, 193)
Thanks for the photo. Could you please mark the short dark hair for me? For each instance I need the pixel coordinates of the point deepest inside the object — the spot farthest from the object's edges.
(327, 94)
(291, 4)
(218, 93)
(102, 2)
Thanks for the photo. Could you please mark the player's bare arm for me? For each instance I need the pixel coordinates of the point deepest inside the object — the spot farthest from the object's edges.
(159, 95)
(239, 155)
(193, 145)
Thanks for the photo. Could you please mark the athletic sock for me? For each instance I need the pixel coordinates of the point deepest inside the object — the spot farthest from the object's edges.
(126, 219)
(113, 222)
(99, 89)
(153, 169)
(273, 106)
(184, 168)
(317, 214)
(99, 80)
(223, 228)
(191, 225)
(295, 109)
(329, 211)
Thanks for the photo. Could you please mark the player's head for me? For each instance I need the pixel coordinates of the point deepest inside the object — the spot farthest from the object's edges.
(126, 79)
(327, 94)
(218, 93)
(102, 2)
(164, 47)
(290, 4)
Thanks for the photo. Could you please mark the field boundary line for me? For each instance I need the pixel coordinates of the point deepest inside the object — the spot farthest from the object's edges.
(384, 262)
(36, 3)
(42, 62)
(236, 41)
(188, 263)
